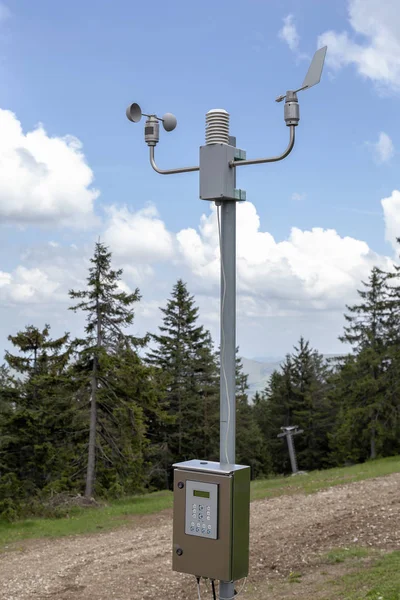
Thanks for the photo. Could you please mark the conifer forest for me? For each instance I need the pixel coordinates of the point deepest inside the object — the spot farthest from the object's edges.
(107, 414)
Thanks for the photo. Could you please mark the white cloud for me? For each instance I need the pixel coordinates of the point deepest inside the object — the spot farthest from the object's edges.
(27, 285)
(289, 34)
(377, 56)
(296, 196)
(298, 285)
(316, 269)
(140, 236)
(43, 180)
(45, 275)
(391, 212)
(5, 279)
(383, 149)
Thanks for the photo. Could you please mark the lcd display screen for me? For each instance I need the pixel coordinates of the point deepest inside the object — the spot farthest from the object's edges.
(201, 494)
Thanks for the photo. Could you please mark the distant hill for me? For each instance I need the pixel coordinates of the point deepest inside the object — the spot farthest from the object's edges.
(259, 373)
(259, 370)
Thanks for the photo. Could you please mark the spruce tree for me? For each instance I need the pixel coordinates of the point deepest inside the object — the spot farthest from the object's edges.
(366, 388)
(37, 413)
(278, 404)
(391, 444)
(311, 407)
(183, 352)
(298, 395)
(109, 313)
(208, 390)
(39, 352)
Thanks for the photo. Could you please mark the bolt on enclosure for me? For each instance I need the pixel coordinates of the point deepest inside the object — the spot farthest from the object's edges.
(211, 519)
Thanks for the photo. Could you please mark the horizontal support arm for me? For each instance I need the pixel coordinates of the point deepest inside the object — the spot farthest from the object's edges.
(169, 171)
(257, 161)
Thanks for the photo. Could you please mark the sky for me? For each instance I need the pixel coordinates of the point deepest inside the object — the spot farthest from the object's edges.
(74, 170)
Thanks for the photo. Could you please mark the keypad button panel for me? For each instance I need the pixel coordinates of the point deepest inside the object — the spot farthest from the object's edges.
(201, 516)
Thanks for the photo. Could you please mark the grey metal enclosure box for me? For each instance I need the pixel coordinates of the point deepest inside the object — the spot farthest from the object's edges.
(217, 178)
(211, 519)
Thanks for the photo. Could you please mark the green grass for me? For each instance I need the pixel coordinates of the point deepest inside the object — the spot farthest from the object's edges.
(341, 555)
(380, 581)
(89, 520)
(85, 520)
(319, 480)
(294, 577)
(369, 575)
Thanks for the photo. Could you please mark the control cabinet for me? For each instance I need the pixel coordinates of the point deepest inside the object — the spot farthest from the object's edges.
(211, 519)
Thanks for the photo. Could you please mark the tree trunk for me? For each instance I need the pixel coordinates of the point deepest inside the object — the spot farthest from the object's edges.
(91, 466)
(180, 424)
(373, 444)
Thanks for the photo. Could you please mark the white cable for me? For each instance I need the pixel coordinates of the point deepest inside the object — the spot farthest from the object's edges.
(237, 594)
(223, 335)
(198, 590)
(223, 368)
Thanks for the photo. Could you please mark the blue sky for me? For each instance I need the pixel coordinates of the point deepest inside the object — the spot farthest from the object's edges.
(74, 67)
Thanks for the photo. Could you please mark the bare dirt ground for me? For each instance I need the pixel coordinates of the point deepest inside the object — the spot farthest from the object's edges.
(288, 533)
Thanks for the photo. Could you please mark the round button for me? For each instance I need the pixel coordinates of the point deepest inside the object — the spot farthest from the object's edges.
(208, 518)
(181, 485)
(179, 551)
(208, 507)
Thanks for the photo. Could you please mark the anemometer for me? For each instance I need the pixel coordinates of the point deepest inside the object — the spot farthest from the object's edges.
(212, 500)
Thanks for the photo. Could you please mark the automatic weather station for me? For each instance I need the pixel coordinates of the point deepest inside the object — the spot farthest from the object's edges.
(212, 499)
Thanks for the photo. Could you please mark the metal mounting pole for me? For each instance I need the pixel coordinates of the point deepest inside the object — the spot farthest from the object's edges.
(292, 453)
(228, 347)
(228, 333)
(288, 433)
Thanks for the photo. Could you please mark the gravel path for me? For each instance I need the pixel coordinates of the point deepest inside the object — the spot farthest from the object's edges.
(134, 563)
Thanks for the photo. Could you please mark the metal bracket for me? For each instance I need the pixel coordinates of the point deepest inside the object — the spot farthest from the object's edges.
(169, 171)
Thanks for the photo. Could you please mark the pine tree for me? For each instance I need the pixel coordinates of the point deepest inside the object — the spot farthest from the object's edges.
(128, 404)
(109, 313)
(368, 407)
(183, 352)
(40, 352)
(391, 444)
(37, 412)
(367, 321)
(311, 408)
(298, 395)
(208, 390)
(278, 401)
